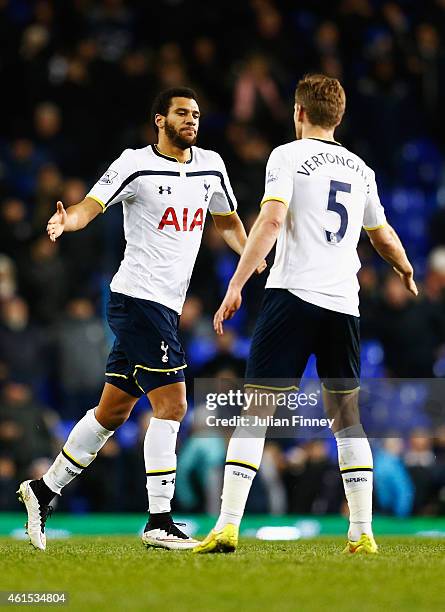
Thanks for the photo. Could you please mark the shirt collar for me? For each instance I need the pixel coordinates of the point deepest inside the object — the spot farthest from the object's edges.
(331, 142)
(157, 152)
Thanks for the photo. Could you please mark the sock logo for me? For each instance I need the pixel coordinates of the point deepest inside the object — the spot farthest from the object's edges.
(70, 472)
(242, 475)
(357, 479)
(165, 482)
(164, 347)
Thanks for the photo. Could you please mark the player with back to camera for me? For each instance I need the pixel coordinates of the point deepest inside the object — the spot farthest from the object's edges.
(166, 190)
(318, 195)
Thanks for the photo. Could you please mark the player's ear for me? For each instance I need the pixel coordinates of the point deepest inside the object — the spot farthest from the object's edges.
(159, 120)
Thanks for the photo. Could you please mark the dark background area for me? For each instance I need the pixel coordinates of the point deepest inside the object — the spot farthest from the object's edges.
(78, 78)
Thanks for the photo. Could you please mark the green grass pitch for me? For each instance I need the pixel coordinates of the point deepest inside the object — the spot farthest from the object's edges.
(118, 573)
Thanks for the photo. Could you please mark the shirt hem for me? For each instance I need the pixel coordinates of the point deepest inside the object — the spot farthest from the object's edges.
(151, 298)
(321, 303)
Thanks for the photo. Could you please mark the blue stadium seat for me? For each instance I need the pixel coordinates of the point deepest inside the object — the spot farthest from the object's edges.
(372, 358)
(200, 350)
(420, 163)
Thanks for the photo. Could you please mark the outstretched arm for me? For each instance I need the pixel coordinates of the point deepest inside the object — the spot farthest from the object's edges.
(387, 244)
(259, 244)
(73, 218)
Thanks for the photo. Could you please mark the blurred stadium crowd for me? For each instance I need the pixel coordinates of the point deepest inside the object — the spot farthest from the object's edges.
(79, 77)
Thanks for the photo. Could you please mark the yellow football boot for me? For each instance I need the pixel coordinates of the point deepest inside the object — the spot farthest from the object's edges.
(365, 546)
(223, 541)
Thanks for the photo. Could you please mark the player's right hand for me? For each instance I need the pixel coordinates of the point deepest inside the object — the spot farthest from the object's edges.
(408, 280)
(230, 304)
(56, 224)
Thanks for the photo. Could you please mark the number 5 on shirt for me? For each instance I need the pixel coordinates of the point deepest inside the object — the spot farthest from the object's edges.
(334, 206)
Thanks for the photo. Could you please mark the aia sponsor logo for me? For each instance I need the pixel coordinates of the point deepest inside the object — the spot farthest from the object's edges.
(186, 224)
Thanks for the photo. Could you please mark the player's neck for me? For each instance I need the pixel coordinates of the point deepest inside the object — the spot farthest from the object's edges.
(314, 131)
(165, 147)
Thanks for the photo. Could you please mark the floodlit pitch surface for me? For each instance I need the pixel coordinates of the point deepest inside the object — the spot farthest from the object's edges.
(117, 573)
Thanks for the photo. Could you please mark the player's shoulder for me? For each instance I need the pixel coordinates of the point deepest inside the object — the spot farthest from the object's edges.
(288, 148)
(361, 162)
(132, 156)
(201, 155)
(367, 172)
(283, 153)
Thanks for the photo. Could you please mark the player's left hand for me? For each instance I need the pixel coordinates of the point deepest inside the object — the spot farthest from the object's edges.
(407, 279)
(261, 267)
(230, 304)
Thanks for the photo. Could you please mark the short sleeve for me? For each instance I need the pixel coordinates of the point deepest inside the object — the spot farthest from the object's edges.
(118, 183)
(279, 183)
(374, 216)
(223, 201)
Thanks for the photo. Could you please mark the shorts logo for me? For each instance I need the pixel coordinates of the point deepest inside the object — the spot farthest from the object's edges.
(108, 177)
(272, 175)
(168, 189)
(164, 347)
(206, 187)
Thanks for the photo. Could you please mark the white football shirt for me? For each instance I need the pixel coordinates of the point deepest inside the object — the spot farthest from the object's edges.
(331, 193)
(165, 203)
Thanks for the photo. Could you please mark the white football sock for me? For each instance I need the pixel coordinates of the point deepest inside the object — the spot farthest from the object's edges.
(160, 463)
(84, 442)
(242, 463)
(356, 467)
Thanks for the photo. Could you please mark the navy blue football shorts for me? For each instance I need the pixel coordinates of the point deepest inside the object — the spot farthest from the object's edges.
(289, 330)
(147, 353)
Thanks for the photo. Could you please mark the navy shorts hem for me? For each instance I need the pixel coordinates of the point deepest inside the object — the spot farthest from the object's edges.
(141, 383)
(124, 383)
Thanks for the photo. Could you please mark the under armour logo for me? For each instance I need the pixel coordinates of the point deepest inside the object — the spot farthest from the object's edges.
(165, 482)
(206, 187)
(164, 347)
(168, 189)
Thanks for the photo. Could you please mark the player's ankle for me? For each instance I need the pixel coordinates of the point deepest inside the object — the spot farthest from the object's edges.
(44, 494)
(159, 519)
(357, 529)
(227, 518)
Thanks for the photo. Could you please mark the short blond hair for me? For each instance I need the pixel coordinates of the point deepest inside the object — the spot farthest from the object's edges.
(323, 98)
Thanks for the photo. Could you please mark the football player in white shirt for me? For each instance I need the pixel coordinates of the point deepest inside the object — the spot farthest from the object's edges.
(318, 196)
(166, 190)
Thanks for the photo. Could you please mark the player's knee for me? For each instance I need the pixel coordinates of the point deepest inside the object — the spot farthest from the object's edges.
(113, 417)
(119, 418)
(173, 410)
